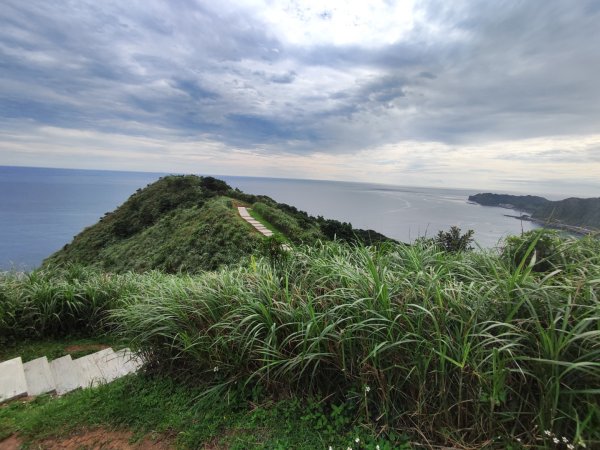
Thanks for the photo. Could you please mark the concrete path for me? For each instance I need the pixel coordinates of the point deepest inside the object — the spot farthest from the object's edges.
(12, 380)
(39, 377)
(64, 374)
(255, 223)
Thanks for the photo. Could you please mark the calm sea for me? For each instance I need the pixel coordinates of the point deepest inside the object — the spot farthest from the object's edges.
(42, 209)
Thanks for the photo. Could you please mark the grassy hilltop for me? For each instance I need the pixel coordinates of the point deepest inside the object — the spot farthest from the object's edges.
(190, 224)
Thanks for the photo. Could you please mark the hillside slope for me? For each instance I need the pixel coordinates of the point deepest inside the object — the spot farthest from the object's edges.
(179, 223)
(573, 212)
(190, 224)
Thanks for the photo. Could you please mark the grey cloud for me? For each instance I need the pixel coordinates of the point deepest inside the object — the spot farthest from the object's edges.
(193, 89)
(285, 78)
(280, 78)
(483, 71)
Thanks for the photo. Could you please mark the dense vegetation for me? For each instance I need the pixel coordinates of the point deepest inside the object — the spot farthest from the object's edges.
(456, 348)
(579, 212)
(189, 224)
(164, 409)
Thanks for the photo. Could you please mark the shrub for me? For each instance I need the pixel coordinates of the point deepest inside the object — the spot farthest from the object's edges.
(541, 249)
(452, 241)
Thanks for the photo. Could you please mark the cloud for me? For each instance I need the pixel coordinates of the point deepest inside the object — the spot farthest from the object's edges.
(296, 79)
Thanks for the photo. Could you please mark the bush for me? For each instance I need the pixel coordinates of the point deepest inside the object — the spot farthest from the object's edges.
(541, 249)
(452, 241)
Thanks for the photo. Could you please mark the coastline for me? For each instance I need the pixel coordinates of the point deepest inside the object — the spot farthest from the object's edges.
(582, 231)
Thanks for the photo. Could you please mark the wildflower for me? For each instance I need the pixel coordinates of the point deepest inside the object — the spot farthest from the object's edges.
(357, 440)
(348, 448)
(570, 446)
(377, 447)
(330, 447)
(367, 389)
(547, 433)
(555, 440)
(216, 369)
(565, 440)
(518, 439)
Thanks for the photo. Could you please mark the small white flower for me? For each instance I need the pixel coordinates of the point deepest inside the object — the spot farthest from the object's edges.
(357, 440)
(216, 369)
(348, 448)
(377, 447)
(367, 389)
(565, 440)
(518, 439)
(547, 433)
(330, 447)
(570, 446)
(555, 440)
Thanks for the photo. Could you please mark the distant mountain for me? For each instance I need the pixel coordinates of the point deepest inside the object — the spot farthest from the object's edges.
(574, 214)
(190, 224)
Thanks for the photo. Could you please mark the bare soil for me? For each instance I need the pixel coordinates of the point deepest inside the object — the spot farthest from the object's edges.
(10, 443)
(96, 439)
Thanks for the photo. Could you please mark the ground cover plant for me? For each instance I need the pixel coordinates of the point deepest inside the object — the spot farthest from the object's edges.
(161, 409)
(471, 349)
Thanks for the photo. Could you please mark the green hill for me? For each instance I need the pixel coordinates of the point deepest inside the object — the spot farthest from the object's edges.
(567, 213)
(190, 224)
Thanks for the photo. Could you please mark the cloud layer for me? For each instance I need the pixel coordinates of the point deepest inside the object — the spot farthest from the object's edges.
(377, 91)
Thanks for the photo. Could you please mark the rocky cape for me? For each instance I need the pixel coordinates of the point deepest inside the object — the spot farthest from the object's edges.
(576, 215)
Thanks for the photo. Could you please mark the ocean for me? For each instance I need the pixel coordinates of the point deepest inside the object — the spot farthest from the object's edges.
(42, 209)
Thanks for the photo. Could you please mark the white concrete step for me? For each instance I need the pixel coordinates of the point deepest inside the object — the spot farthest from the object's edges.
(96, 368)
(128, 361)
(65, 374)
(39, 377)
(12, 380)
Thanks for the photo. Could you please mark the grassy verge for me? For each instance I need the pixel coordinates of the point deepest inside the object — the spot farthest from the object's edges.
(256, 215)
(161, 406)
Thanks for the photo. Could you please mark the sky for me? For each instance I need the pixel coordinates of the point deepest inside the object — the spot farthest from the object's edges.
(501, 95)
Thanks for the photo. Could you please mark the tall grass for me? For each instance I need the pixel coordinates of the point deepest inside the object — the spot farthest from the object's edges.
(461, 348)
(55, 301)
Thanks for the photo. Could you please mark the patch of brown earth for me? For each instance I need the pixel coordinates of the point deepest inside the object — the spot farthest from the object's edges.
(102, 439)
(11, 443)
(85, 348)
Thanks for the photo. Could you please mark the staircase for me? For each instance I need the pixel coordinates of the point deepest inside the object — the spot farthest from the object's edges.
(62, 375)
(255, 223)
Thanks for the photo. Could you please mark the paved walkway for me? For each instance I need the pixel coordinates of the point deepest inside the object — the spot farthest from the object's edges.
(64, 374)
(255, 223)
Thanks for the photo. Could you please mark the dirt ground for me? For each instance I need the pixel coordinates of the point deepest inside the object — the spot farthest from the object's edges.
(97, 439)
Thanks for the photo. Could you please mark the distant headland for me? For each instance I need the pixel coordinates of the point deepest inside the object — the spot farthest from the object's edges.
(576, 215)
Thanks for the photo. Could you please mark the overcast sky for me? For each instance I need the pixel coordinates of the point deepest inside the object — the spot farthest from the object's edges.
(489, 95)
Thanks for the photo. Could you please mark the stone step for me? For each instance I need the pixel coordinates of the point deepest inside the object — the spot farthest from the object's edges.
(128, 361)
(97, 368)
(39, 377)
(255, 223)
(12, 380)
(65, 374)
